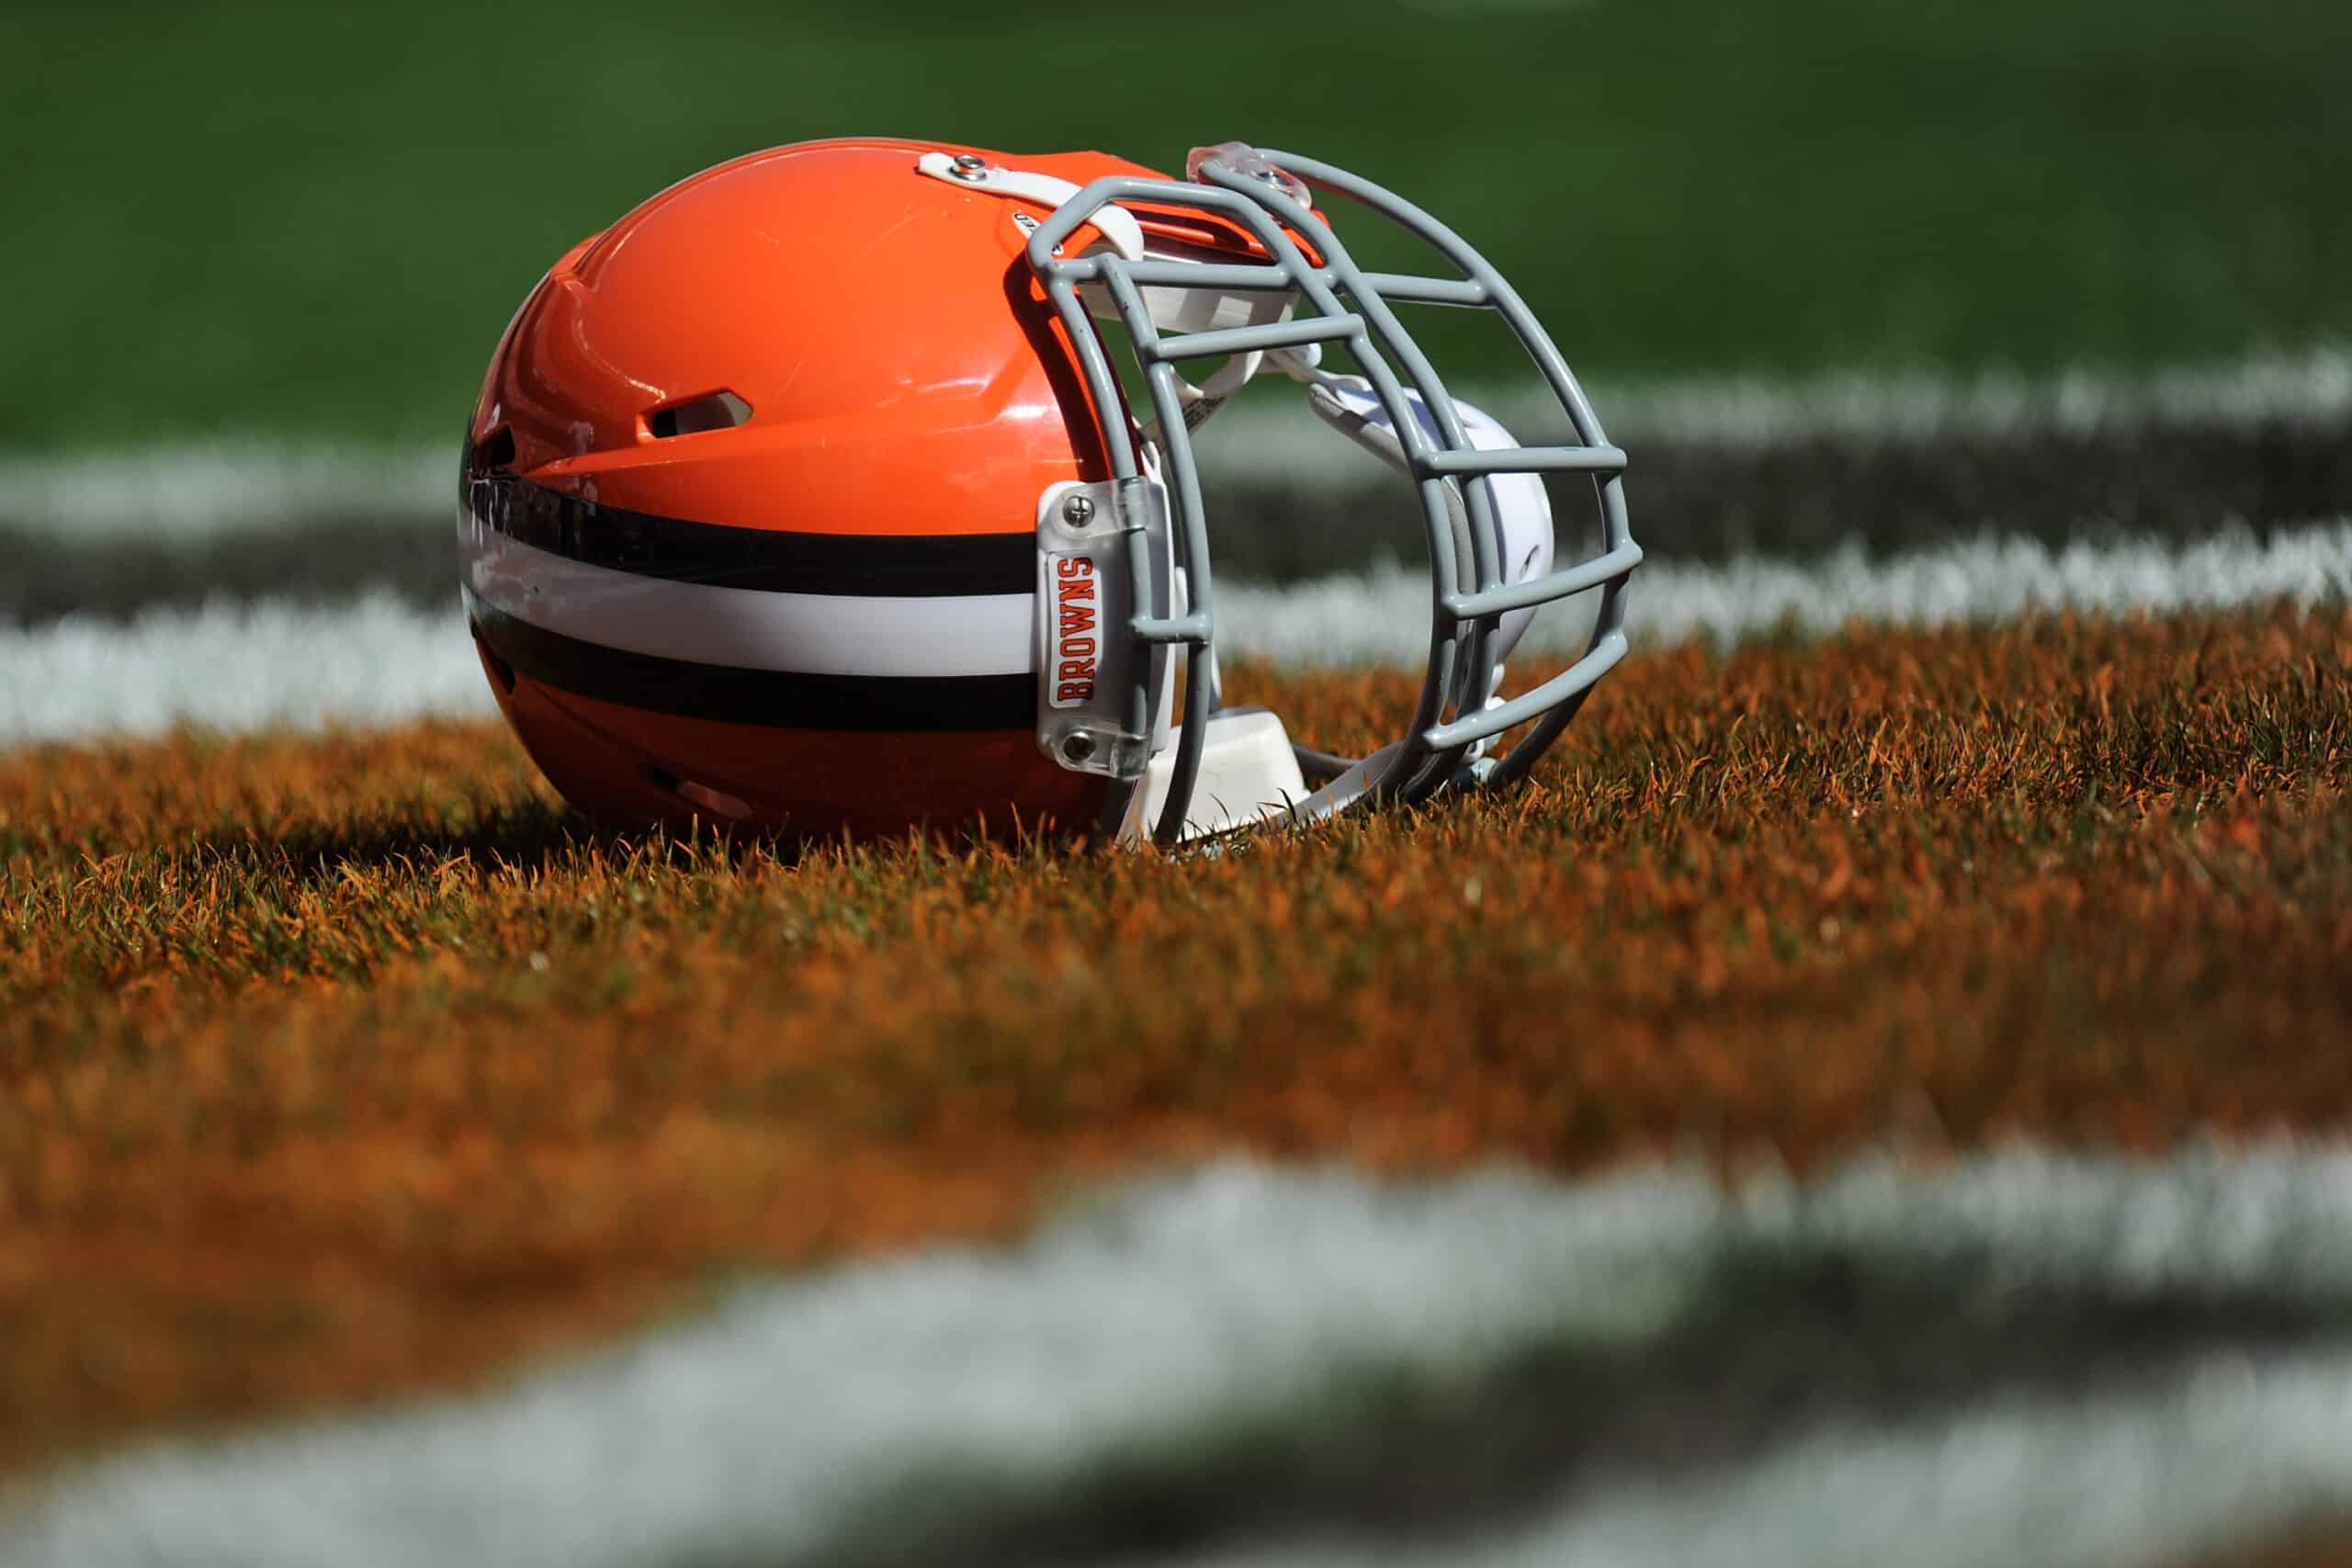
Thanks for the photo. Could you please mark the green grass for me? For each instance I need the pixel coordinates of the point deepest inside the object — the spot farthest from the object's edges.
(315, 220)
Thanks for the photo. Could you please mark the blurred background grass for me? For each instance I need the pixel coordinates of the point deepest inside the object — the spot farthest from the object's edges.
(314, 221)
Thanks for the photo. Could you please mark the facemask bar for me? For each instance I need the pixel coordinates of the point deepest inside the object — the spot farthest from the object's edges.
(1249, 188)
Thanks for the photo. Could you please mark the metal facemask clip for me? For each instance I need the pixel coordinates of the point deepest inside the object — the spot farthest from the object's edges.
(1104, 563)
(1485, 514)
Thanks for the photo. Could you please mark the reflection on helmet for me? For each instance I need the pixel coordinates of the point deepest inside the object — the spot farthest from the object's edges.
(807, 496)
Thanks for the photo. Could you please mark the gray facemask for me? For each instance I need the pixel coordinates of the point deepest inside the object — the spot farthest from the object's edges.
(1125, 573)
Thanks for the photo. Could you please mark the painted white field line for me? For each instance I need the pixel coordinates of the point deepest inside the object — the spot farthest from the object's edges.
(197, 489)
(887, 1411)
(1277, 438)
(1382, 617)
(2315, 387)
(240, 667)
(378, 660)
(261, 482)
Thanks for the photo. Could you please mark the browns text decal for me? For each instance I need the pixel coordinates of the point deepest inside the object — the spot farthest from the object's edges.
(1074, 647)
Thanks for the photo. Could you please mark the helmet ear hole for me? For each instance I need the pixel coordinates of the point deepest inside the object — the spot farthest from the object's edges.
(722, 410)
(494, 451)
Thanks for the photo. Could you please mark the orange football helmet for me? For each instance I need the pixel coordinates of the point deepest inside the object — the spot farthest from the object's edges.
(807, 496)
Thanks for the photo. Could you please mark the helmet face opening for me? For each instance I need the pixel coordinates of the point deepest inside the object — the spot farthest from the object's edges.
(809, 496)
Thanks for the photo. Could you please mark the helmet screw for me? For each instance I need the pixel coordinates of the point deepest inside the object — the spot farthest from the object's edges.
(969, 166)
(1077, 747)
(1078, 510)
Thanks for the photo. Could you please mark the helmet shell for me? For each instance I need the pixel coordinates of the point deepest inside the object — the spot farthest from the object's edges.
(790, 419)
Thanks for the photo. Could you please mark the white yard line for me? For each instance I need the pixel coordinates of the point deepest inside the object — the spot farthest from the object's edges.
(380, 661)
(2311, 388)
(903, 1406)
(1382, 617)
(240, 667)
(193, 490)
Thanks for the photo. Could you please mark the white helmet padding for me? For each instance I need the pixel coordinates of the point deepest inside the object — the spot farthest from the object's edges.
(1522, 510)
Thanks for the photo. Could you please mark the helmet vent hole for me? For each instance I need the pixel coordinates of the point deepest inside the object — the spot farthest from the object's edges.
(711, 410)
(494, 451)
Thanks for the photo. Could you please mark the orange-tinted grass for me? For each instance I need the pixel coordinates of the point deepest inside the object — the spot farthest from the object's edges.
(336, 1066)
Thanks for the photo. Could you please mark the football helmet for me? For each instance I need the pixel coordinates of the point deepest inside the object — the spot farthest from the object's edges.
(809, 495)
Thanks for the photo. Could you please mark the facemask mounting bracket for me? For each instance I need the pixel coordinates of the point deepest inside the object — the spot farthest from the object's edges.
(1103, 556)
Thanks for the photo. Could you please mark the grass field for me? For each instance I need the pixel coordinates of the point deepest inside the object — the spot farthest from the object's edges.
(1878, 1094)
(252, 218)
(335, 1067)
